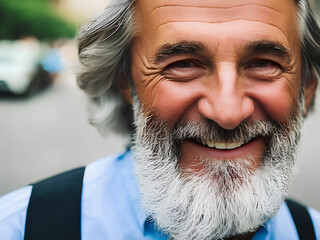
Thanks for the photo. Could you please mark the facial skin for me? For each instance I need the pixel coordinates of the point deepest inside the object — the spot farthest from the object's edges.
(226, 61)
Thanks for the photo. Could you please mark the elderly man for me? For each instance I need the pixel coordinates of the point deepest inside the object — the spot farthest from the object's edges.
(213, 94)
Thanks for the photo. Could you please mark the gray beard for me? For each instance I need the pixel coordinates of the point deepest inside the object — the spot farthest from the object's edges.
(228, 198)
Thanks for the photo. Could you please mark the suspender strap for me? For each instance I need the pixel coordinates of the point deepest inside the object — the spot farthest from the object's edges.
(302, 220)
(54, 210)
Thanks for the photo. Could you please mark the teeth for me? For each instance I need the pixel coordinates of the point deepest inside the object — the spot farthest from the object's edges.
(210, 143)
(234, 145)
(203, 142)
(222, 145)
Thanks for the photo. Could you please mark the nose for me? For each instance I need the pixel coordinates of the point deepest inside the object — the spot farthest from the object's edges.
(225, 100)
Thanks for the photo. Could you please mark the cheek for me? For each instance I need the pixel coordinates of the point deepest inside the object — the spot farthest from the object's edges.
(171, 100)
(278, 100)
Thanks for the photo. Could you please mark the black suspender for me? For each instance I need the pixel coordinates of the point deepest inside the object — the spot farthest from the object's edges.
(54, 211)
(302, 220)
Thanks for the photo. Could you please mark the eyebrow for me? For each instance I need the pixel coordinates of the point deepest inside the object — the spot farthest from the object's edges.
(168, 50)
(275, 48)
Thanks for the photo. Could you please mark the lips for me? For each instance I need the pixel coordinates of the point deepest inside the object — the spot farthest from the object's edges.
(193, 152)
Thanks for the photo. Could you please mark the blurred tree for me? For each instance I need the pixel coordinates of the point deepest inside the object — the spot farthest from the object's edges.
(20, 18)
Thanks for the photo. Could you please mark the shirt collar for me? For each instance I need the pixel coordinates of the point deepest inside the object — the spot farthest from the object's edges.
(131, 184)
(145, 223)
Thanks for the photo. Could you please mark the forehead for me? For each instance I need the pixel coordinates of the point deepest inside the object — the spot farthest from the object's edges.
(215, 10)
(175, 20)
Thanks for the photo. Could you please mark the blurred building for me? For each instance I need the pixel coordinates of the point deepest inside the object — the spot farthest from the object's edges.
(79, 10)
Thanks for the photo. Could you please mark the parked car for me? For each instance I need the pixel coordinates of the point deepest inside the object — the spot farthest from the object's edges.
(21, 71)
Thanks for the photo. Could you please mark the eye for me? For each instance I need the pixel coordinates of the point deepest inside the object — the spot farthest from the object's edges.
(264, 68)
(183, 70)
(261, 63)
(182, 64)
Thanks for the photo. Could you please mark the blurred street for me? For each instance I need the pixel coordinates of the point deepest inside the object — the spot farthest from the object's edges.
(47, 133)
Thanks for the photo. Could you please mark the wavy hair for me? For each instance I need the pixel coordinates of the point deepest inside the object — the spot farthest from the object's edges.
(104, 54)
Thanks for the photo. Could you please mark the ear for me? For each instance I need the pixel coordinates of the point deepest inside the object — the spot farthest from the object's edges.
(310, 91)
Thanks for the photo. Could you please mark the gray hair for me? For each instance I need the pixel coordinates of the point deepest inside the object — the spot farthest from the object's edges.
(104, 53)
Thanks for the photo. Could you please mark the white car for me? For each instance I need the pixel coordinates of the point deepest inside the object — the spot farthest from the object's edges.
(20, 66)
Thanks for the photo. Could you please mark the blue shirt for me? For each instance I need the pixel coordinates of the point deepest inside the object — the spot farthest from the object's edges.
(111, 208)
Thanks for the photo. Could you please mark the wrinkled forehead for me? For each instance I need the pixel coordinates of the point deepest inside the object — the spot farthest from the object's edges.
(156, 14)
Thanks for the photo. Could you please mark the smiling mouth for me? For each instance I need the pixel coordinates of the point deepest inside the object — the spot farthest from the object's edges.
(221, 145)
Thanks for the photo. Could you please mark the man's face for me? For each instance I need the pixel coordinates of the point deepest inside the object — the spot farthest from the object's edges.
(224, 61)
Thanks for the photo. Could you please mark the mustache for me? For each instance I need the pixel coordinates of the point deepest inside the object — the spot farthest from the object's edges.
(153, 129)
(156, 128)
(210, 130)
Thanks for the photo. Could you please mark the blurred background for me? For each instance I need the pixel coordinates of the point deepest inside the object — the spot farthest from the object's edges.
(43, 122)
